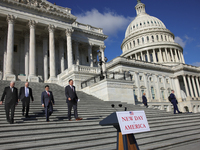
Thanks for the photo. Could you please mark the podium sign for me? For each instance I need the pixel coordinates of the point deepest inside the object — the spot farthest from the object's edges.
(132, 122)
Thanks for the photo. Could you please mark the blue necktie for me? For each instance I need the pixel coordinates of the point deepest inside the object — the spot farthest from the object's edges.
(26, 94)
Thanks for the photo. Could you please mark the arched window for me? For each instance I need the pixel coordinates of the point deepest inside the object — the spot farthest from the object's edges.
(130, 45)
(142, 40)
(152, 38)
(152, 93)
(161, 38)
(163, 95)
(165, 38)
(138, 41)
(147, 39)
(157, 37)
(134, 43)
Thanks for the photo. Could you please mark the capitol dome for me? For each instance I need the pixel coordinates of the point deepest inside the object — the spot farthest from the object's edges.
(148, 39)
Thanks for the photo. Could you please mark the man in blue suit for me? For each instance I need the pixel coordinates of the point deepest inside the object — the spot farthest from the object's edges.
(47, 101)
(72, 99)
(174, 102)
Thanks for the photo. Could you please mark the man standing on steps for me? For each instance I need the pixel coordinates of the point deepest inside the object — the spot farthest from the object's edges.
(72, 99)
(11, 101)
(47, 101)
(25, 94)
(144, 100)
(174, 102)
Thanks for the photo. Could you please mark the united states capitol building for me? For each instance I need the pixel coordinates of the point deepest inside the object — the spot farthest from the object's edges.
(43, 42)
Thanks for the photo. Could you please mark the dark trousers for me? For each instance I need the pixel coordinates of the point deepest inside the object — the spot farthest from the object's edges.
(175, 107)
(48, 111)
(145, 104)
(25, 104)
(9, 107)
(70, 105)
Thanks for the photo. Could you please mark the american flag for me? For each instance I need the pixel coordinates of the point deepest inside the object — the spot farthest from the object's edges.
(131, 113)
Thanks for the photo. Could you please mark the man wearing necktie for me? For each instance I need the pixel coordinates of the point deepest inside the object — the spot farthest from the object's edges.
(11, 101)
(72, 99)
(47, 101)
(25, 94)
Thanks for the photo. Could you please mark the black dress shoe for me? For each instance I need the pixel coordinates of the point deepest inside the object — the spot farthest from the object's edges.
(180, 112)
(12, 122)
(28, 116)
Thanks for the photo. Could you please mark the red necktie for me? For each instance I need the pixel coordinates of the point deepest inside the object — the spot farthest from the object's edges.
(48, 95)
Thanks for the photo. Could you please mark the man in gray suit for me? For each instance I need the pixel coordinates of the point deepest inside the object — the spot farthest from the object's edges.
(11, 101)
(25, 94)
(72, 99)
(47, 101)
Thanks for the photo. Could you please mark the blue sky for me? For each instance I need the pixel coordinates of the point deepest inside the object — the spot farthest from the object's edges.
(181, 17)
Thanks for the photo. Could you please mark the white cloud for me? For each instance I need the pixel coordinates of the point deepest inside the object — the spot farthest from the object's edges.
(196, 64)
(109, 21)
(180, 41)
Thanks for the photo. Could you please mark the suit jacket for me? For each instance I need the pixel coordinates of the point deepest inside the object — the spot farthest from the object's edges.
(47, 99)
(173, 99)
(22, 93)
(69, 93)
(144, 99)
(11, 97)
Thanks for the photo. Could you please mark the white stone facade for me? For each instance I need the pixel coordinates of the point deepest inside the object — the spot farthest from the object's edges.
(40, 41)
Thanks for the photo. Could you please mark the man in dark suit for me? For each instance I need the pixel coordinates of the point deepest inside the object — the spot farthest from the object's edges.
(47, 101)
(174, 102)
(11, 101)
(72, 99)
(25, 94)
(144, 100)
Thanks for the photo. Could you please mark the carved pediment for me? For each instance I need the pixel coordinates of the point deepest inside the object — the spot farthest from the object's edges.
(44, 4)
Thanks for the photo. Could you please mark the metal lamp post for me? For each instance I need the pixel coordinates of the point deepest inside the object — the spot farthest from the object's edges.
(100, 62)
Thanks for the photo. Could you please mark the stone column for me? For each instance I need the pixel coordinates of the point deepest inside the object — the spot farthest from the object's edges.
(190, 85)
(76, 46)
(154, 56)
(45, 57)
(52, 57)
(147, 86)
(136, 56)
(141, 56)
(178, 92)
(90, 54)
(160, 53)
(176, 56)
(10, 46)
(26, 54)
(158, 87)
(148, 56)
(186, 86)
(172, 55)
(182, 58)
(198, 87)
(5, 53)
(61, 55)
(32, 53)
(165, 86)
(136, 76)
(102, 48)
(194, 86)
(69, 47)
(167, 56)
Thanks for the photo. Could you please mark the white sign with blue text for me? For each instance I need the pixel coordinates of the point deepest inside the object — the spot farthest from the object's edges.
(132, 122)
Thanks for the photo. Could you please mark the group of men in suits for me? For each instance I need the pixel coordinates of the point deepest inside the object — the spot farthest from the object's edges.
(47, 100)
